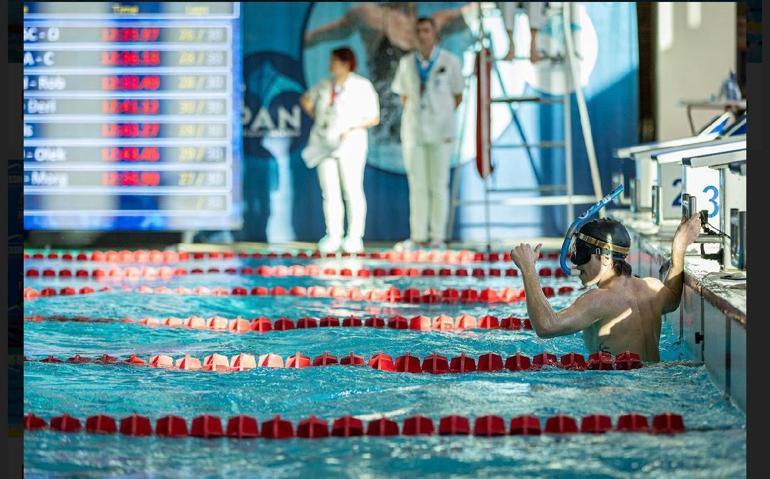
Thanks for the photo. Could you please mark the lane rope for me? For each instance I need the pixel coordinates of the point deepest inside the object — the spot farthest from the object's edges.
(393, 295)
(295, 270)
(171, 257)
(406, 363)
(263, 324)
(313, 427)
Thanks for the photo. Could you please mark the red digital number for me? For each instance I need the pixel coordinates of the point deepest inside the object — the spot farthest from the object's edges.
(150, 34)
(130, 34)
(131, 82)
(109, 178)
(149, 178)
(129, 178)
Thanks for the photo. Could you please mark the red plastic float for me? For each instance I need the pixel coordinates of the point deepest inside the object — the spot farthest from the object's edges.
(572, 361)
(347, 426)
(489, 426)
(435, 364)
(352, 360)
(382, 361)
(382, 427)
(462, 364)
(627, 360)
(490, 362)
(136, 425)
(454, 425)
(418, 426)
(101, 424)
(408, 364)
(325, 359)
(600, 360)
(596, 424)
(525, 426)
(277, 428)
(544, 359)
(65, 423)
(242, 427)
(632, 423)
(667, 423)
(561, 424)
(313, 428)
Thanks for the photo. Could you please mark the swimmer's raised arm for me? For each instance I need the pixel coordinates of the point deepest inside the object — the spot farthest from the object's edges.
(335, 30)
(686, 233)
(546, 322)
(453, 20)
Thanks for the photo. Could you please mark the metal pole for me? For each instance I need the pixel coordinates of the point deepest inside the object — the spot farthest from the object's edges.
(585, 121)
(566, 105)
(458, 168)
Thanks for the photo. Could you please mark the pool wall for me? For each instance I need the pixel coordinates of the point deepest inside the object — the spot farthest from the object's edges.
(711, 318)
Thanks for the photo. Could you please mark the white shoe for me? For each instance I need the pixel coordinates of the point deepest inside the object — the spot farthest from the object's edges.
(353, 245)
(435, 244)
(408, 245)
(329, 244)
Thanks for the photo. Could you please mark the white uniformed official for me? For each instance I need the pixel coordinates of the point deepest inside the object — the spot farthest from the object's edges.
(343, 107)
(430, 84)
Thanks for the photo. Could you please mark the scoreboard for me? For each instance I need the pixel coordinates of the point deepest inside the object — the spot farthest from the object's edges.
(132, 114)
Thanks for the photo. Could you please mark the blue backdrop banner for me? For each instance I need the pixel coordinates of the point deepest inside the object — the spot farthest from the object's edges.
(286, 48)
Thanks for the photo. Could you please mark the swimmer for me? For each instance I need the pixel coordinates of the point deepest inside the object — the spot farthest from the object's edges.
(623, 313)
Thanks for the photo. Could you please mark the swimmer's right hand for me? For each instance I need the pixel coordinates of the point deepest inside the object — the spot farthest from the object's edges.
(524, 256)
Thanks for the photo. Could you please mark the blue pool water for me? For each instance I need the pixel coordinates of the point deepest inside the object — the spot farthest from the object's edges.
(714, 446)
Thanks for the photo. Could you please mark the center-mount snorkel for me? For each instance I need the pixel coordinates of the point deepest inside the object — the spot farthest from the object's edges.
(580, 221)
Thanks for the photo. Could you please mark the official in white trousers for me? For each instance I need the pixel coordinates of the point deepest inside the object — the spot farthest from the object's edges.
(343, 107)
(430, 84)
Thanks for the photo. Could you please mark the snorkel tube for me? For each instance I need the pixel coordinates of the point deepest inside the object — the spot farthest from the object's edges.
(580, 221)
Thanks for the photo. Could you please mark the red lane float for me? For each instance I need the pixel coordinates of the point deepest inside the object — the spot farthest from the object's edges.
(409, 295)
(244, 426)
(171, 257)
(262, 324)
(433, 364)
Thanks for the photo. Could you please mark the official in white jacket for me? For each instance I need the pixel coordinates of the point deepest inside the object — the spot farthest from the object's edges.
(343, 107)
(430, 83)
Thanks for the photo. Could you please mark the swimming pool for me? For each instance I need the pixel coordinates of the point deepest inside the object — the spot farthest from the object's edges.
(713, 446)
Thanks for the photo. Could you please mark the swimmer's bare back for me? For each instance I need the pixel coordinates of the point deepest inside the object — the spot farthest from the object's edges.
(630, 311)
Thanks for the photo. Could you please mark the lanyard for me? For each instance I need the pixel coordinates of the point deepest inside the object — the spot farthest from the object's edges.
(425, 72)
(332, 94)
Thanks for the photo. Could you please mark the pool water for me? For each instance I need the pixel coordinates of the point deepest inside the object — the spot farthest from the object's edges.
(713, 446)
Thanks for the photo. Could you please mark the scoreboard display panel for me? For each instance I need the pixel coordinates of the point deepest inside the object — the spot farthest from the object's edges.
(132, 114)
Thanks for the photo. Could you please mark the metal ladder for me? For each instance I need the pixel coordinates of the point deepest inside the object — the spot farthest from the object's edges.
(569, 199)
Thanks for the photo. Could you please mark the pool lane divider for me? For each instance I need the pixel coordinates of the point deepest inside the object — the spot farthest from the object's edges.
(263, 324)
(407, 363)
(392, 295)
(172, 257)
(267, 271)
(248, 427)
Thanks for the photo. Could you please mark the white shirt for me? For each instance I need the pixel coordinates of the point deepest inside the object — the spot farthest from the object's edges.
(428, 119)
(355, 102)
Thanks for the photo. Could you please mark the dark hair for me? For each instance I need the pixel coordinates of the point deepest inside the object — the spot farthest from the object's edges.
(346, 55)
(428, 20)
(611, 231)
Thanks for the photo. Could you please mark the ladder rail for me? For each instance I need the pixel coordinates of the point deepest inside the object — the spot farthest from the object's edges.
(572, 79)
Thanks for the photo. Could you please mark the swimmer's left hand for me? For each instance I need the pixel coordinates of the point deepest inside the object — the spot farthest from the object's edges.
(524, 256)
(687, 232)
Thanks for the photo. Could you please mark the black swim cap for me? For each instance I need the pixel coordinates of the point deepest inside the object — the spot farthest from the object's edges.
(608, 235)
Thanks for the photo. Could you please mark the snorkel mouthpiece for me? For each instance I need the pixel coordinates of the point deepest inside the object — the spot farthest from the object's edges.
(579, 222)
